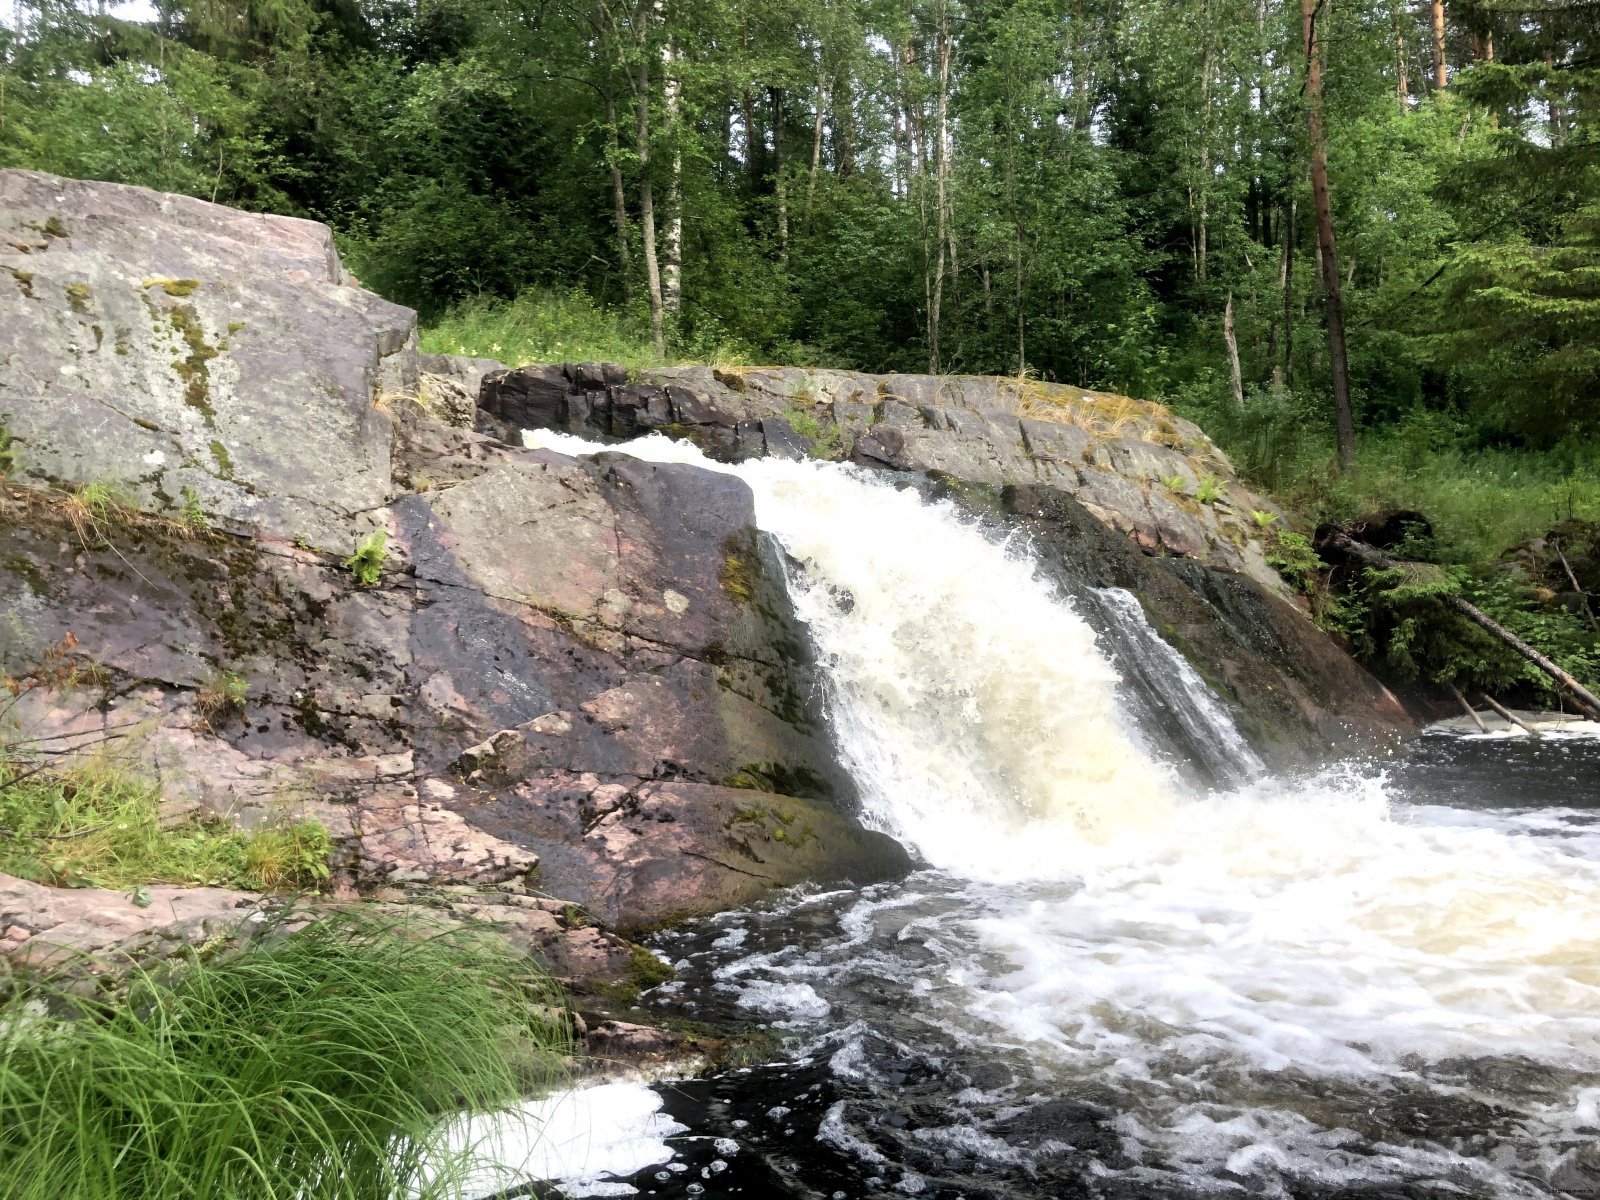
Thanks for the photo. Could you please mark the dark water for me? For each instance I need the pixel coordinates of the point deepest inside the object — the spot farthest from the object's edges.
(930, 1038)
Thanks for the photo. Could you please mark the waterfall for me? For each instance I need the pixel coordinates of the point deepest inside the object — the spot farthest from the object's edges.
(1173, 689)
(983, 722)
(1270, 983)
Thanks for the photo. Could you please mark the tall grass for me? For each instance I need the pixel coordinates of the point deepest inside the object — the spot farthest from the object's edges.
(542, 326)
(550, 326)
(1481, 500)
(94, 823)
(314, 1065)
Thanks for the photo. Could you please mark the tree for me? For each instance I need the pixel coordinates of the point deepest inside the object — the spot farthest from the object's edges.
(1316, 123)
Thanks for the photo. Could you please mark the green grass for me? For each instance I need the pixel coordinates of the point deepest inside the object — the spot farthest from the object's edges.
(95, 824)
(543, 327)
(551, 326)
(1481, 501)
(315, 1065)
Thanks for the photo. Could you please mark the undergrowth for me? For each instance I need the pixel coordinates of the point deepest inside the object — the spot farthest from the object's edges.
(95, 824)
(542, 327)
(1481, 502)
(553, 326)
(312, 1065)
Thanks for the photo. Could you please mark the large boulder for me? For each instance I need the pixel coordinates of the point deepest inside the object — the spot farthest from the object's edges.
(187, 353)
(540, 623)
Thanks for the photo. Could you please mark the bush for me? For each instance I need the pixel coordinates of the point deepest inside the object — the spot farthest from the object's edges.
(315, 1065)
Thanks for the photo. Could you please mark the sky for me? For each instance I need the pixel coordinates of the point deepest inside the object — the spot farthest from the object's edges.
(128, 10)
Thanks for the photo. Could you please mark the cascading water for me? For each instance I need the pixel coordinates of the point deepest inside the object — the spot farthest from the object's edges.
(1110, 983)
(1161, 673)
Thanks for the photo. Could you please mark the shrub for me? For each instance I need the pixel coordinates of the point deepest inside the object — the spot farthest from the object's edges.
(1292, 556)
(314, 1065)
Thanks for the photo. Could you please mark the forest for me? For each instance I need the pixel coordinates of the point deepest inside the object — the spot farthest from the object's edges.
(1357, 240)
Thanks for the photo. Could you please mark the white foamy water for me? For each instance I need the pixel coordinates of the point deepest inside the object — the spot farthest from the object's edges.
(1253, 973)
(587, 1140)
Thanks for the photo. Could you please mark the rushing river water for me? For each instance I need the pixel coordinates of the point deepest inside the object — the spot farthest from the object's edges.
(1113, 981)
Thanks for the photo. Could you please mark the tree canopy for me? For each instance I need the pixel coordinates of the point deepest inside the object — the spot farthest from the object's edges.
(1112, 193)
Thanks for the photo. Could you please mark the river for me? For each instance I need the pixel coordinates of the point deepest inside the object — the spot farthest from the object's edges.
(1136, 964)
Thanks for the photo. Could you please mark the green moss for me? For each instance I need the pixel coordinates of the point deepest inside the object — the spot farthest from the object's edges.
(55, 228)
(180, 287)
(646, 971)
(30, 575)
(24, 281)
(78, 296)
(741, 572)
(194, 368)
(224, 461)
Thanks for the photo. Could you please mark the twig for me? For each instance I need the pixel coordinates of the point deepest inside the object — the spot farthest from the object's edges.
(1582, 595)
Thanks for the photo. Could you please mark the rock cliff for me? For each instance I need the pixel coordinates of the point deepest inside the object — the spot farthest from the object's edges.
(573, 678)
(548, 683)
(1111, 491)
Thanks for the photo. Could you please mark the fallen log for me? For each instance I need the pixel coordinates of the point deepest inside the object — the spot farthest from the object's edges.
(1511, 717)
(1470, 711)
(1377, 559)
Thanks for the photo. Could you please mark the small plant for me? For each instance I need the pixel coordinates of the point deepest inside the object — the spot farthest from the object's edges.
(1176, 484)
(92, 505)
(223, 696)
(1263, 520)
(366, 564)
(194, 516)
(10, 456)
(824, 439)
(1209, 491)
(288, 856)
(1292, 556)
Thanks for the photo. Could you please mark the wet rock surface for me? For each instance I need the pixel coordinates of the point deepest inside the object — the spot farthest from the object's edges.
(1296, 693)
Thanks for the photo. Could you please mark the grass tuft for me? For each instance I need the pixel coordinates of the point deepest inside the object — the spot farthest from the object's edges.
(94, 824)
(313, 1065)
